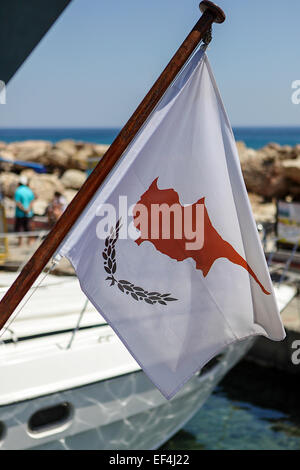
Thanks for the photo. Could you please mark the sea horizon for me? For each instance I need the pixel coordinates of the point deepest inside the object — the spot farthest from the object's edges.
(253, 136)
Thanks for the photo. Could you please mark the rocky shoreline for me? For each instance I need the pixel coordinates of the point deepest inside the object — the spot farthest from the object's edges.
(270, 172)
(66, 163)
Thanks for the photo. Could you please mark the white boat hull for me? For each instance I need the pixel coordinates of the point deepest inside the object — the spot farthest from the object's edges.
(125, 412)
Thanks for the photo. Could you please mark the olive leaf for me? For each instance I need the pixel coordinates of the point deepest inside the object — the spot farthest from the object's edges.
(110, 266)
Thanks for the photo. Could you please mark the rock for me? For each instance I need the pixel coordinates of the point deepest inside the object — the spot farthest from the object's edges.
(80, 159)
(297, 150)
(100, 149)
(285, 150)
(272, 171)
(73, 179)
(263, 175)
(40, 206)
(263, 212)
(29, 173)
(44, 186)
(242, 149)
(57, 158)
(9, 183)
(69, 194)
(245, 152)
(291, 169)
(30, 150)
(63, 155)
(68, 146)
(270, 152)
(278, 152)
(7, 155)
(274, 146)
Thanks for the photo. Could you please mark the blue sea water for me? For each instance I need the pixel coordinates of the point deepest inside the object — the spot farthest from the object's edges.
(98, 136)
(254, 137)
(257, 137)
(253, 408)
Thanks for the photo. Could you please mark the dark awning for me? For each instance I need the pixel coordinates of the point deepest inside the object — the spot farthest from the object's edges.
(23, 24)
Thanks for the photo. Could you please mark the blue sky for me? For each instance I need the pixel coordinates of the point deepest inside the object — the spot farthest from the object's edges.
(100, 58)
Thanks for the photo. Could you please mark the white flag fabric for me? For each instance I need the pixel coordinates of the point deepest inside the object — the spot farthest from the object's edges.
(176, 305)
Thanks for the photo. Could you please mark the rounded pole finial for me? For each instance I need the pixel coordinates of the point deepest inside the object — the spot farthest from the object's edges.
(217, 11)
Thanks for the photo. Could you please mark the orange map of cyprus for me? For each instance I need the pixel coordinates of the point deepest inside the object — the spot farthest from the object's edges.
(214, 246)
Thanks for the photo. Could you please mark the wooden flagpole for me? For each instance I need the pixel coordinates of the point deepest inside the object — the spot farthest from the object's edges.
(211, 13)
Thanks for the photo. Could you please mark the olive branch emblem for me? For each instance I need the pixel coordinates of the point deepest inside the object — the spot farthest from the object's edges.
(110, 266)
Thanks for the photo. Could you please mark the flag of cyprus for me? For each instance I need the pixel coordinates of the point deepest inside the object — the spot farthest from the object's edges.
(168, 250)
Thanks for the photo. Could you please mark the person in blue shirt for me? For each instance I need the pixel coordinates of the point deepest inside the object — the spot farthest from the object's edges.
(24, 198)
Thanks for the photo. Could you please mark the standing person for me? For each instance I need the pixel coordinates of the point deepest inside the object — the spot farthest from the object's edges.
(56, 208)
(24, 198)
